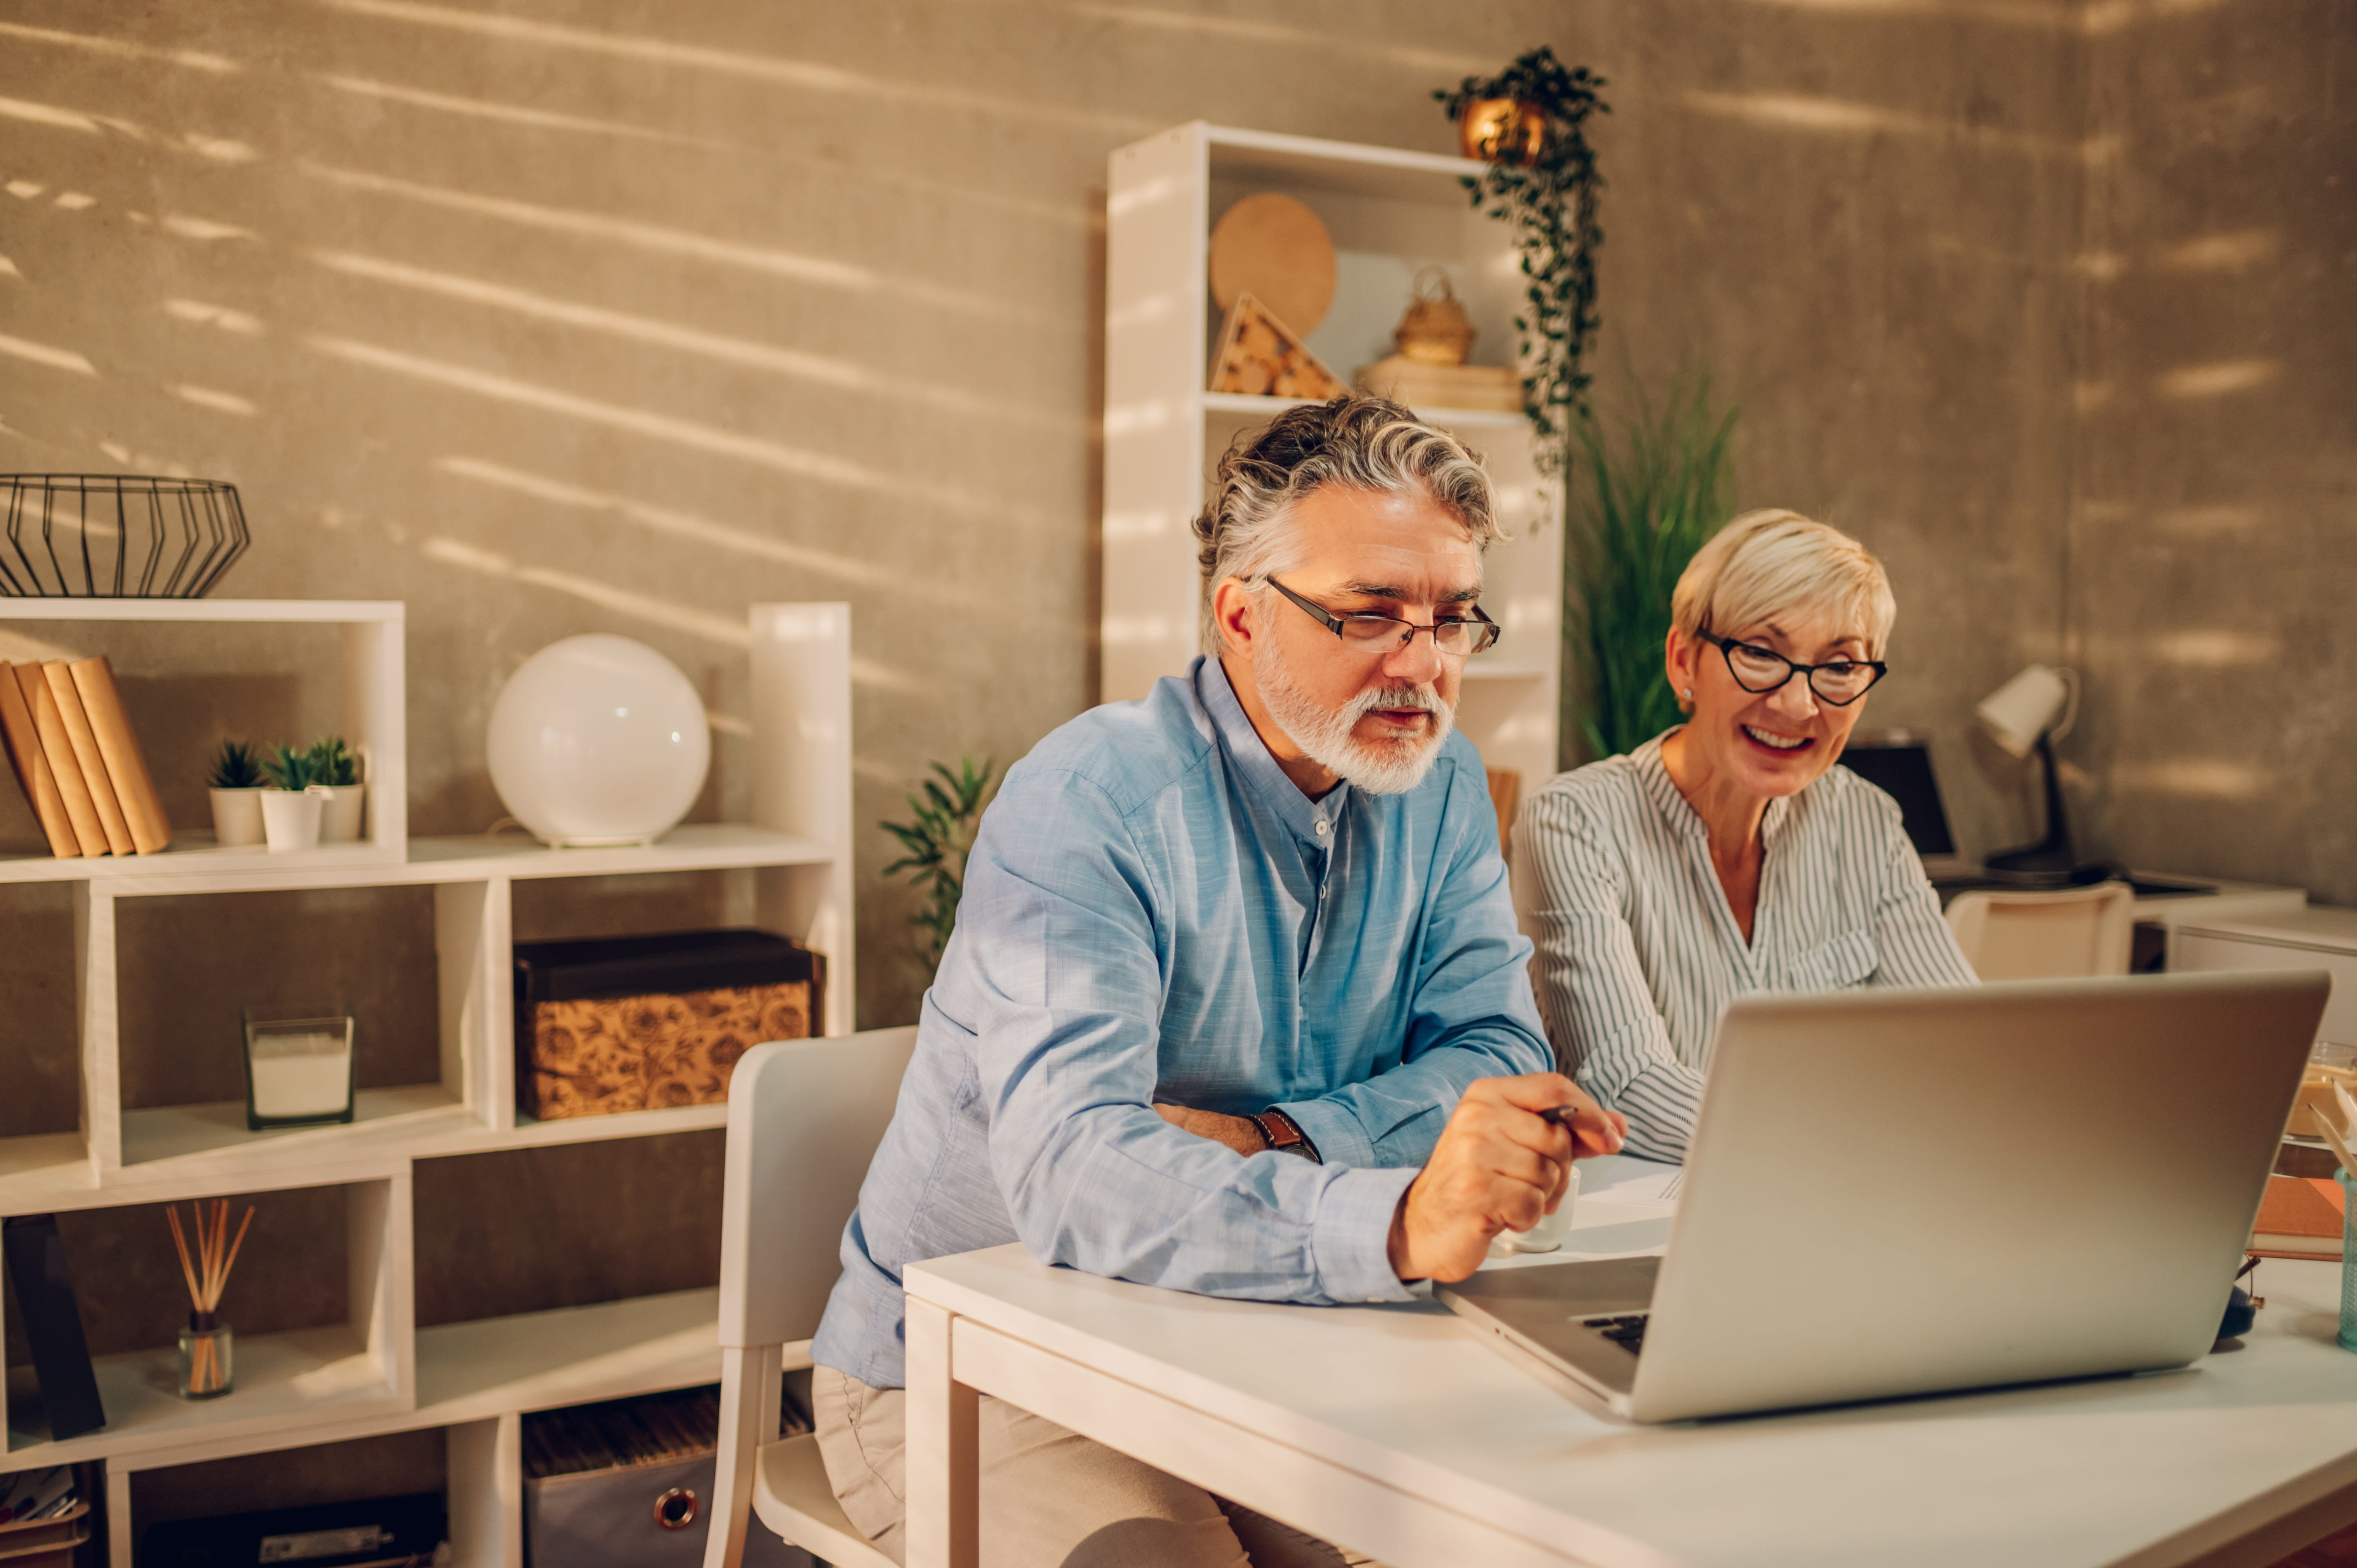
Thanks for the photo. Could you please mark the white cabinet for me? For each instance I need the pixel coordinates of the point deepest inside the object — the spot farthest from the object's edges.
(2314, 938)
(1390, 213)
(377, 1372)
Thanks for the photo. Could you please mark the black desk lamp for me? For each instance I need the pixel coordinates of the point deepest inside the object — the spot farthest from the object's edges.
(2023, 715)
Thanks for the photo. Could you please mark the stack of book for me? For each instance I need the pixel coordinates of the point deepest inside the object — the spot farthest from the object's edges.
(69, 743)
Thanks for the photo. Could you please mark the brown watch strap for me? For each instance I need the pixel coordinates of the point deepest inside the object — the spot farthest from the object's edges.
(1283, 1133)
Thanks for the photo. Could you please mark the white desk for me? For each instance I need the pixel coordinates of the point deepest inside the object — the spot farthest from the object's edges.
(1398, 1432)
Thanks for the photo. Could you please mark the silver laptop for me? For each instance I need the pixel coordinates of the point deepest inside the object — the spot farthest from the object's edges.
(1899, 1192)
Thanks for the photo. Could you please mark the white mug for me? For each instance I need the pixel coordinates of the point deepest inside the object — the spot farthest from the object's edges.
(1547, 1235)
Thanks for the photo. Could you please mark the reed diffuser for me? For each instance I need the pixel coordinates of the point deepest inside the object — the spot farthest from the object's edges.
(207, 1371)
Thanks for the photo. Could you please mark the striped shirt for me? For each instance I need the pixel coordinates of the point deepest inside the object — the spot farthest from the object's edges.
(1638, 951)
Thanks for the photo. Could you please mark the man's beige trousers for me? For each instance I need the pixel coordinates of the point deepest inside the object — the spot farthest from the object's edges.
(1050, 1499)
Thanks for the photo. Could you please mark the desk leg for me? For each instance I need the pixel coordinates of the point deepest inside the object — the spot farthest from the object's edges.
(943, 1454)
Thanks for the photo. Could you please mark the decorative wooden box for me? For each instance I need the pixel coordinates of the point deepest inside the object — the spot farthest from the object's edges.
(637, 1022)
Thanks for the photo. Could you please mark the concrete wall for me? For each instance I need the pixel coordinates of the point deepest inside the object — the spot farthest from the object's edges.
(2214, 524)
(593, 315)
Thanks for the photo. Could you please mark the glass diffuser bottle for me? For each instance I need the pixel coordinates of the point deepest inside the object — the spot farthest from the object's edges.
(208, 1350)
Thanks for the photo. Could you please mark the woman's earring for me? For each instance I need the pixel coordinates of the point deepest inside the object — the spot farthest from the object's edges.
(1689, 693)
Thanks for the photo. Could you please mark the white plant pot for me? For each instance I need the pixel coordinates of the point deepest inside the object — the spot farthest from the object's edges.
(340, 818)
(237, 817)
(290, 819)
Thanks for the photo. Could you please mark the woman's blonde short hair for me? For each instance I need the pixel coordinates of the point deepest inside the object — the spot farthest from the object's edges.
(1772, 563)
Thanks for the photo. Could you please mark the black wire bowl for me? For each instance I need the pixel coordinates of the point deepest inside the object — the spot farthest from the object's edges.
(117, 536)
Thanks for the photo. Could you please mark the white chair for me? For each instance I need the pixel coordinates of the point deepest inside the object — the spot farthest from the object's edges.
(804, 1118)
(2061, 935)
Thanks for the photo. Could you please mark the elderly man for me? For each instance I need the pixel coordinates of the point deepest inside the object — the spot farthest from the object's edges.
(1235, 1004)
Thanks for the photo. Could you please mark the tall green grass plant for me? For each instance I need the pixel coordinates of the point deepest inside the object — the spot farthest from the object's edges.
(1652, 487)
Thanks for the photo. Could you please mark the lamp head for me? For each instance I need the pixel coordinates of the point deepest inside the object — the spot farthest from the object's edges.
(2025, 708)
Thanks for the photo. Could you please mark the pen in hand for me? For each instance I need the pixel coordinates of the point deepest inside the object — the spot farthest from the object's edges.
(1561, 1116)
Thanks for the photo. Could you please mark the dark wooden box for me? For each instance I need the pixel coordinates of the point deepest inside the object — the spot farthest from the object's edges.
(614, 1024)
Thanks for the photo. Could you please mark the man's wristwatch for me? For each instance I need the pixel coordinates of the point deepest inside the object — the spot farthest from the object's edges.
(1283, 1133)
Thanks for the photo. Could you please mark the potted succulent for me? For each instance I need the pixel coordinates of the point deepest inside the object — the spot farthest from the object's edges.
(236, 786)
(290, 807)
(336, 776)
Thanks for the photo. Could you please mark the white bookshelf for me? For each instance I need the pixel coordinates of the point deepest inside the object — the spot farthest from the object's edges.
(1391, 212)
(378, 1372)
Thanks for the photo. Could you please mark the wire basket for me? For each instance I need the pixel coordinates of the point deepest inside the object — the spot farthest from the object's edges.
(117, 536)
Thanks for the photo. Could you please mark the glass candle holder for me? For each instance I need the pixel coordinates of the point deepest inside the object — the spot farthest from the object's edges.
(207, 1368)
(298, 1072)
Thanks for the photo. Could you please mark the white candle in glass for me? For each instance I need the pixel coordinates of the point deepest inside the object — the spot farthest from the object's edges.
(303, 1069)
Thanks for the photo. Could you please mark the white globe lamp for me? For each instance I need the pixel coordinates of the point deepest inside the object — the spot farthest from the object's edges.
(599, 740)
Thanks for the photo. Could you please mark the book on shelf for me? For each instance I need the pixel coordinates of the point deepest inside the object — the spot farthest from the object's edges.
(32, 769)
(126, 765)
(72, 749)
(52, 727)
(53, 1332)
(83, 740)
(2301, 1217)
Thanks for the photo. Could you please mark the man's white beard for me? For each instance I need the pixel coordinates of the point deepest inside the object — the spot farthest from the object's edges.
(1380, 767)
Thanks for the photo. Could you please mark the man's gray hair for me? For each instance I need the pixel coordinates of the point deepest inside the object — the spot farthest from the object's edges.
(1358, 441)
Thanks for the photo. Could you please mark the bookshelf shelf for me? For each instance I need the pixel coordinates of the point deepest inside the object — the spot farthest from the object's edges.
(1254, 410)
(376, 1373)
(284, 1382)
(574, 1355)
(383, 1120)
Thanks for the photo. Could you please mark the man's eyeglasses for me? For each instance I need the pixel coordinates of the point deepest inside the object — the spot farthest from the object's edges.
(1368, 633)
(1759, 670)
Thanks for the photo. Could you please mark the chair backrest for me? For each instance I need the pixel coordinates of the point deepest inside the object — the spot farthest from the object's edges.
(804, 1118)
(2060, 935)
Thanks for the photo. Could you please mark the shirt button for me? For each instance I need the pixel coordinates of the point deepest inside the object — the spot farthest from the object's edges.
(1321, 830)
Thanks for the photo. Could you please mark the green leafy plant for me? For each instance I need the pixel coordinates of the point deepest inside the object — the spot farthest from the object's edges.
(235, 768)
(1652, 498)
(1550, 195)
(332, 762)
(289, 768)
(948, 810)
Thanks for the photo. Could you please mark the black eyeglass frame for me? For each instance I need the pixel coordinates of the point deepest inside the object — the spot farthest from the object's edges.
(1334, 623)
(1726, 646)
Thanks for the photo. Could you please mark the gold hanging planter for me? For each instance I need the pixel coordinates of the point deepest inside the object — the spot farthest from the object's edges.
(1501, 129)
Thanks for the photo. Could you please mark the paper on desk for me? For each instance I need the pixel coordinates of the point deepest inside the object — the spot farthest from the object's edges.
(1655, 1186)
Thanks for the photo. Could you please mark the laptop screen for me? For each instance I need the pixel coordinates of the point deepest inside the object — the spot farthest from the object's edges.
(1902, 769)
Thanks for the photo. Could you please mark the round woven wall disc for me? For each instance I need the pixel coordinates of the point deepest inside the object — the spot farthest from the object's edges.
(1277, 250)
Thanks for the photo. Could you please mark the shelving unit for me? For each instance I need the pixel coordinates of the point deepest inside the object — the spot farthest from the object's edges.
(1390, 213)
(378, 1372)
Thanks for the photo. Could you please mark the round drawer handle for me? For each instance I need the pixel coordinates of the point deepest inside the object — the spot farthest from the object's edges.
(675, 1509)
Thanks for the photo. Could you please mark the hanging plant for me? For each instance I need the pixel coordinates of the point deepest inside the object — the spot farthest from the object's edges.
(1530, 122)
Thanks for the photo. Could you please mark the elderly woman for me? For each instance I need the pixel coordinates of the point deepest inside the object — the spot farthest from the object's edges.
(1729, 855)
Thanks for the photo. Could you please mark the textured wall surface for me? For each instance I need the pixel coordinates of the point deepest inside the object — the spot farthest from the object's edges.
(2213, 530)
(571, 317)
(554, 316)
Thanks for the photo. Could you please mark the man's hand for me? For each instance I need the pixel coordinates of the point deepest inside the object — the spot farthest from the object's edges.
(1240, 1133)
(1500, 1165)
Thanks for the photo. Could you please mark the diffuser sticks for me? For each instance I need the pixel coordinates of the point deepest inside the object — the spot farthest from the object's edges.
(205, 1344)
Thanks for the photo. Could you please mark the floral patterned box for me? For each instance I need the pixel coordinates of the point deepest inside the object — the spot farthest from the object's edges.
(634, 1023)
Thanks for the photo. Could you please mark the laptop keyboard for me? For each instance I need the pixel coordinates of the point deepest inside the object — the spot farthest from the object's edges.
(1628, 1331)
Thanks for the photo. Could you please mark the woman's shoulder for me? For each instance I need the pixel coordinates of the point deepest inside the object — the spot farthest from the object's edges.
(1607, 805)
(1602, 788)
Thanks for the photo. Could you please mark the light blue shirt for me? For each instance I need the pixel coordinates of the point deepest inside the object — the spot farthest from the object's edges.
(1153, 912)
